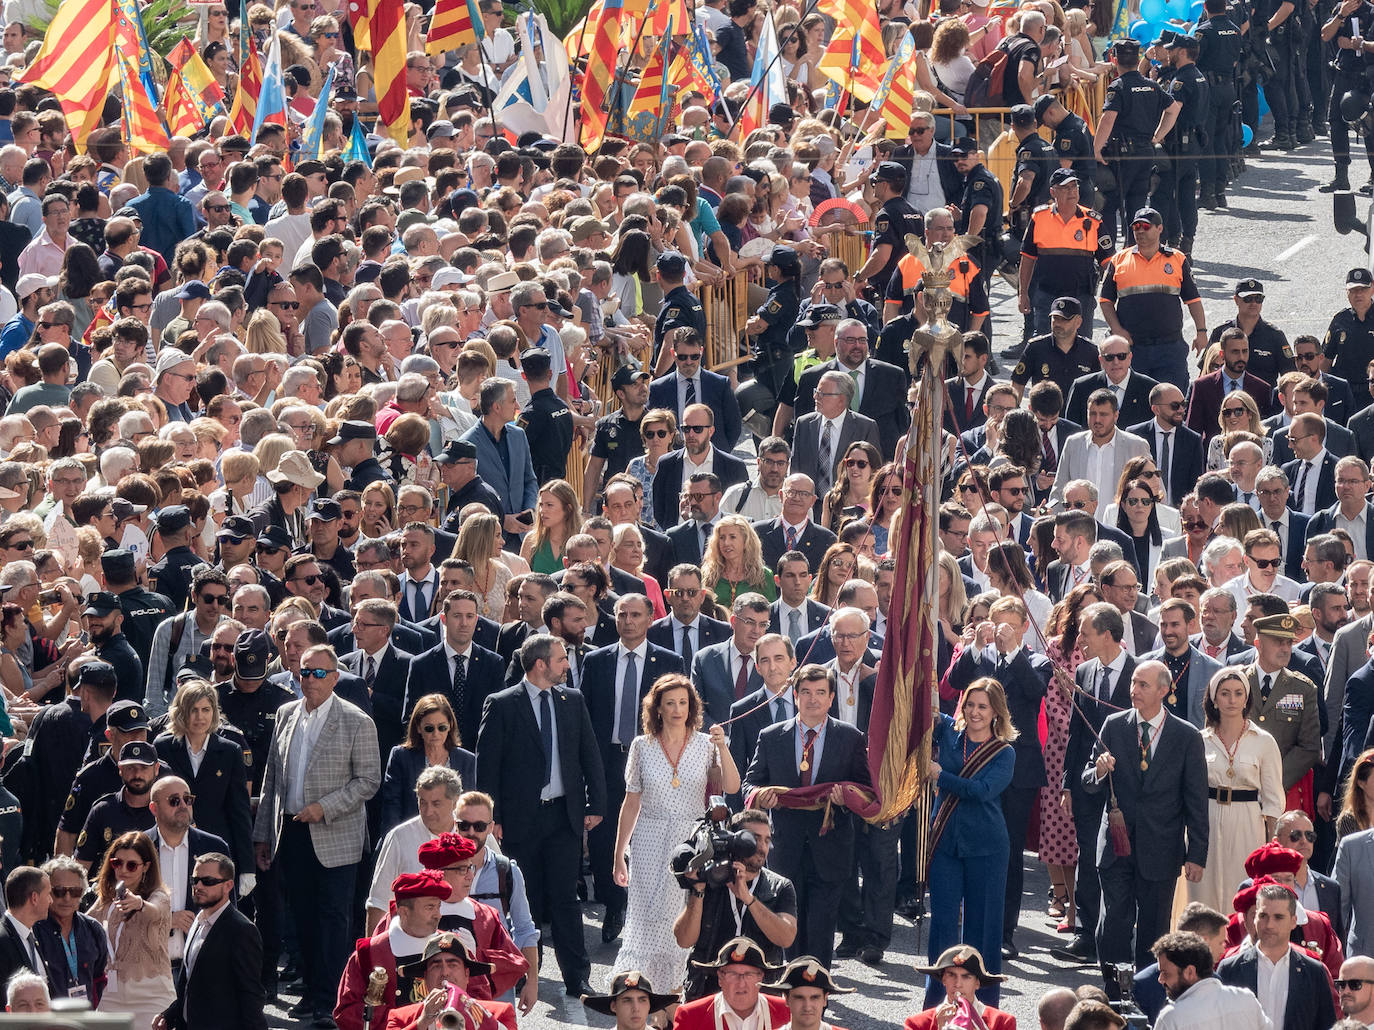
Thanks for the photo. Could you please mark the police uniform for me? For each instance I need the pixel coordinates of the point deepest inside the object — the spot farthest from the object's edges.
(617, 442)
(1270, 353)
(1044, 360)
(548, 423)
(1036, 156)
(109, 817)
(968, 293)
(1138, 103)
(981, 189)
(1185, 143)
(1349, 75)
(143, 613)
(367, 471)
(97, 780)
(59, 736)
(1349, 343)
(1068, 255)
(772, 353)
(680, 307)
(1150, 295)
(1277, 44)
(894, 220)
(171, 577)
(255, 716)
(1073, 142)
(1220, 45)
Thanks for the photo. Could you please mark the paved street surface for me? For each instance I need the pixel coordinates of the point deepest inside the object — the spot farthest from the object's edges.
(1278, 230)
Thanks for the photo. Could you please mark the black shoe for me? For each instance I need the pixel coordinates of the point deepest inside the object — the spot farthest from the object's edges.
(611, 926)
(302, 1008)
(847, 948)
(1306, 134)
(578, 990)
(324, 1021)
(1340, 184)
(1253, 150)
(1221, 201)
(1367, 189)
(1081, 951)
(871, 956)
(1206, 201)
(1009, 951)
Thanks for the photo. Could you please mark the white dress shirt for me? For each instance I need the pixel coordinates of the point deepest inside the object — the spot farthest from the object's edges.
(682, 382)
(846, 687)
(554, 788)
(1156, 724)
(1307, 499)
(303, 741)
(175, 869)
(1356, 528)
(1271, 986)
(1102, 460)
(691, 468)
(25, 935)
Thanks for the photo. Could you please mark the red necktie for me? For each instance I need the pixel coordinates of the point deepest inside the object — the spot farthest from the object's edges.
(1213, 650)
(742, 680)
(808, 758)
(1050, 462)
(968, 404)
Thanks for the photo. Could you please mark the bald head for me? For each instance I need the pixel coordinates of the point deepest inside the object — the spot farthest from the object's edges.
(1054, 1007)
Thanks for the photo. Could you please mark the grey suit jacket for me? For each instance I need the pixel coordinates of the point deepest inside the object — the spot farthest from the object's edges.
(1347, 658)
(1200, 670)
(1354, 871)
(344, 770)
(1174, 547)
(1073, 462)
(806, 440)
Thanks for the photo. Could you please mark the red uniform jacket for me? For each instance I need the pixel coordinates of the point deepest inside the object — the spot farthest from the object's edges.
(995, 1019)
(408, 1016)
(348, 1007)
(700, 1014)
(494, 946)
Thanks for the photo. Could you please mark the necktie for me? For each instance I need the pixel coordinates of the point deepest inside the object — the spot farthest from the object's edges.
(794, 630)
(808, 753)
(546, 734)
(1119, 395)
(460, 682)
(1144, 745)
(1245, 496)
(1077, 575)
(417, 607)
(629, 700)
(691, 393)
(1104, 686)
(742, 680)
(826, 455)
(968, 404)
(790, 534)
(1164, 463)
(779, 710)
(1232, 385)
(370, 674)
(1212, 650)
(854, 404)
(34, 960)
(1049, 462)
(1266, 685)
(687, 649)
(705, 536)
(1302, 487)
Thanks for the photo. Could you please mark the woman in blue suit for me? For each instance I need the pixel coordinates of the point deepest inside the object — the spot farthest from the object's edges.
(431, 739)
(968, 868)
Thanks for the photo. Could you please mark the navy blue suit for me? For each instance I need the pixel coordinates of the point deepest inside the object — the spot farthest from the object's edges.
(403, 767)
(665, 632)
(713, 391)
(668, 481)
(1309, 1005)
(1186, 460)
(430, 673)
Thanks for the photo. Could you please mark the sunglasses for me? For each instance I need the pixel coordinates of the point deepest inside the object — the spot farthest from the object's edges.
(318, 674)
(126, 865)
(1193, 525)
(217, 208)
(542, 306)
(1115, 357)
(1015, 491)
(1233, 412)
(209, 881)
(1350, 985)
(67, 892)
(1176, 405)
(432, 728)
(687, 358)
(1296, 835)
(264, 549)
(20, 545)
(1267, 563)
(694, 430)
(656, 434)
(289, 305)
(1136, 502)
(220, 599)
(177, 800)
(480, 825)
(967, 488)
(309, 581)
(855, 463)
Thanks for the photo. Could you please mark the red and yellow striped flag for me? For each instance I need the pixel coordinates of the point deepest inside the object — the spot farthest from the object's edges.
(183, 114)
(855, 58)
(600, 73)
(667, 13)
(192, 96)
(245, 107)
(143, 128)
(386, 23)
(456, 23)
(76, 61)
(893, 100)
(652, 88)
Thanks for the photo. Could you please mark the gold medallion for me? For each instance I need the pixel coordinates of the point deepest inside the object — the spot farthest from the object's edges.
(1230, 774)
(805, 765)
(1144, 764)
(676, 782)
(1173, 699)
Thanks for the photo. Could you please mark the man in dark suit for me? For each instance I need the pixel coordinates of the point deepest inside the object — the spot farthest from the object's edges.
(881, 387)
(920, 142)
(420, 579)
(1351, 488)
(690, 536)
(1312, 473)
(219, 984)
(967, 391)
(1272, 489)
(458, 667)
(999, 652)
(614, 682)
(1361, 421)
(539, 759)
(1104, 682)
(750, 716)
(27, 895)
(793, 529)
(684, 630)
(1294, 830)
(821, 439)
(1158, 773)
(1311, 394)
(1046, 402)
(1340, 399)
(1176, 449)
(690, 384)
(831, 752)
(410, 637)
(723, 673)
(1131, 389)
(1308, 1004)
(794, 614)
(698, 454)
(1207, 393)
(534, 590)
(382, 667)
(179, 846)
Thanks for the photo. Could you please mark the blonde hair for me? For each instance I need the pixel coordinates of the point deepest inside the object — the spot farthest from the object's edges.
(1002, 727)
(751, 555)
(188, 695)
(263, 334)
(270, 449)
(572, 513)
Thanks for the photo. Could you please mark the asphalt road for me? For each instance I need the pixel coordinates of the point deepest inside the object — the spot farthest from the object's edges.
(1278, 229)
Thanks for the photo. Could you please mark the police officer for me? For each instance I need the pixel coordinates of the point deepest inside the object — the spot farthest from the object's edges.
(250, 703)
(1073, 142)
(104, 622)
(124, 810)
(680, 305)
(546, 420)
(1035, 161)
(616, 441)
(1270, 353)
(143, 609)
(1352, 60)
(172, 575)
(969, 307)
(368, 469)
(1135, 118)
(1301, 34)
(894, 220)
(1061, 254)
(1178, 188)
(769, 325)
(1061, 355)
(1271, 34)
(979, 206)
(1220, 44)
(274, 547)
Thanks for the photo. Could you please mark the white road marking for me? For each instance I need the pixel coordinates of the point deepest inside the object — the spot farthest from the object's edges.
(1295, 248)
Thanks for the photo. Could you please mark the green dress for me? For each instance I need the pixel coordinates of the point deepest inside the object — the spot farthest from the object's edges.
(726, 592)
(544, 560)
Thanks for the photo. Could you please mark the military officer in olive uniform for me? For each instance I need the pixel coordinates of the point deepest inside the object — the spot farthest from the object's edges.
(1136, 116)
(1284, 703)
(1073, 142)
(895, 219)
(1220, 44)
(1177, 192)
(546, 420)
(680, 305)
(124, 810)
(369, 470)
(171, 576)
(769, 326)
(143, 609)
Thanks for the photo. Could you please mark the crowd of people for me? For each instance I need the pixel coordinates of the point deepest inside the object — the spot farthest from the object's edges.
(386, 578)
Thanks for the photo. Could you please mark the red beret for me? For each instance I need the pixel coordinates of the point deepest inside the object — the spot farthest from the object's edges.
(1247, 896)
(1272, 858)
(445, 850)
(425, 884)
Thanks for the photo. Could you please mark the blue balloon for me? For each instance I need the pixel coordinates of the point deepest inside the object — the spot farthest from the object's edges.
(1263, 104)
(1178, 9)
(1195, 11)
(1246, 134)
(1154, 11)
(1143, 32)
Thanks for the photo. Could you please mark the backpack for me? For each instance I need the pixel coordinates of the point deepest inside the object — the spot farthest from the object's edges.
(503, 887)
(985, 85)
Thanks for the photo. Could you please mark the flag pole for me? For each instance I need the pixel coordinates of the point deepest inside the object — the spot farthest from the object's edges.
(618, 79)
(486, 81)
(782, 45)
(581, 36)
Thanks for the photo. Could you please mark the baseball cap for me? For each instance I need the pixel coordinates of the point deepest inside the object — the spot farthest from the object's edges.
(138, 752)
(1148, 215)
(32, 282)
(441, 129)
(1043, 104)
(193, 290)
(627, 374)
(237, 528)
(325, 510)
(889, 171)
(1358, 277)
(1060, 176)
(456, 451)
(276, 538)
(1066, 307)
(127, 509)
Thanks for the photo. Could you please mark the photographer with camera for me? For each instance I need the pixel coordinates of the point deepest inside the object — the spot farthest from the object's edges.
(754, 902)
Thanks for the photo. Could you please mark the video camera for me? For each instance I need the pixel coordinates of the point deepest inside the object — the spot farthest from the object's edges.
(1123, 978)
(712, 850)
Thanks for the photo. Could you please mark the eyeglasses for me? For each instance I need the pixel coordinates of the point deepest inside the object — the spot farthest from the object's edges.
(856, 463)
(656, 434)
(466, 869)
(1194, 525)
(1233, 412)
(217, 208)
(774, 463)
(264, 549)
(1123, 586)
(1267, 563)
(220, 599)
(694, 430)
(480, 825)
(126, 865)
(833, 286)
(318, 674)
(1175, 405)
(922, 130)
(309, 581)
(177, 800)
(1115, 357)
(1296, 835)
(68, 892)
(209, 881)
(289, 305)
(430, 727)
(699, 497)
(1136, 502)
(847, 637)
(228, 648)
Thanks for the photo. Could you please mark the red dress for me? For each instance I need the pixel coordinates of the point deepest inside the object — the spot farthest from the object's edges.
(995, 1019)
